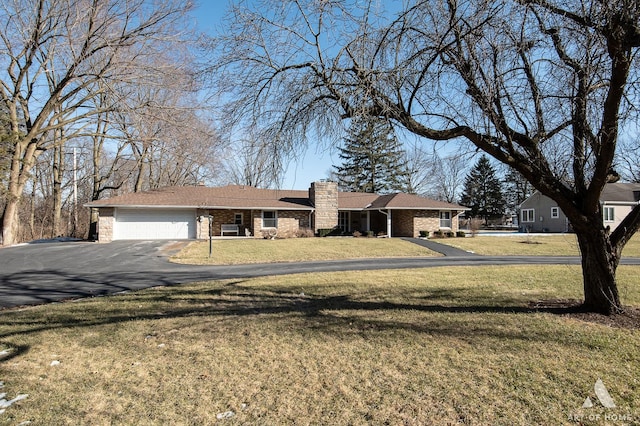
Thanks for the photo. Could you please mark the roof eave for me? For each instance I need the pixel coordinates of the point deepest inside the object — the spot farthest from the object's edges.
(414, 208)
(186, 207)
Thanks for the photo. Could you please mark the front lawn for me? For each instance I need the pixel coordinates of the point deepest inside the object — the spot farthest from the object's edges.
(439, 346)
(240, 251)
(527, 245)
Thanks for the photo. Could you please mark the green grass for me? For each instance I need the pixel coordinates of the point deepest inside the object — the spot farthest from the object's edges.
(523, 244)
(438, 346)
(242, 251)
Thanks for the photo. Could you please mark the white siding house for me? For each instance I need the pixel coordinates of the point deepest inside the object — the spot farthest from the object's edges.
(539, 213)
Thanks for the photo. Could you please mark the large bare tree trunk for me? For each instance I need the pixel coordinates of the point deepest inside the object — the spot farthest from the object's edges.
(599, 264)
(24, 157)
(10, 221)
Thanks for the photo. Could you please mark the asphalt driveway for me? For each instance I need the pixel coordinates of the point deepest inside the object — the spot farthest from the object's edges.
(47, 272)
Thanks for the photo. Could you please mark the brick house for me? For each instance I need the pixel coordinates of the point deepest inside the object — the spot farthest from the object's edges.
(190, 212)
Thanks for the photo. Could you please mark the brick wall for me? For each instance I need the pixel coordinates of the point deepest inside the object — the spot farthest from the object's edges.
(221, 217)
(425, 220)
(402, 223)
(409, 223)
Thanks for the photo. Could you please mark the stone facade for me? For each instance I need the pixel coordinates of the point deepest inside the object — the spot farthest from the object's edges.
(289, 222)
(202, 224)
(324, 197)
(106, 221)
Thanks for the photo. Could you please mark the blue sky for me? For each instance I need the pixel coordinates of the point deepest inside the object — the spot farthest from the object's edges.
(316, 163)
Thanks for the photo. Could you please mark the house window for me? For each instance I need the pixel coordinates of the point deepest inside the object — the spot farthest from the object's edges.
(555, 212)
(608, 214)
(269, 219)
(343, 220)
(445, 219)
(528, 215)
(238, 218)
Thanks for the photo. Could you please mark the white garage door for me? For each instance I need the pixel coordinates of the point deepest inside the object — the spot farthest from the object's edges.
(154, 224)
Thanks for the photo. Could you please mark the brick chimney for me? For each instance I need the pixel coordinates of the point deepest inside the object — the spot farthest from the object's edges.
(324, 197)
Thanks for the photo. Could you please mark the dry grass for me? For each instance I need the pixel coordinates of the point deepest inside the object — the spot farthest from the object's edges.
(523, 244)
(427, 346)
(241, 251)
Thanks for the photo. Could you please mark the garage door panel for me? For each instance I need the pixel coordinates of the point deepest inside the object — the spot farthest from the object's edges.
(154, 224)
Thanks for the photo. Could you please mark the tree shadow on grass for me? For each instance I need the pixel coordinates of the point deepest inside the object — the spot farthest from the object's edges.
(438, 312)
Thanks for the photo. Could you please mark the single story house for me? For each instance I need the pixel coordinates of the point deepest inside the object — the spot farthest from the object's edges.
(539, 213)
(191, 212)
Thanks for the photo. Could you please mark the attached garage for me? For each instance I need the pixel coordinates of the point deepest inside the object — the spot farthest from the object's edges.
(154, 224)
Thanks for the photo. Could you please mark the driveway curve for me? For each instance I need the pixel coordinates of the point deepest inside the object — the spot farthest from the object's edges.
(47, 272)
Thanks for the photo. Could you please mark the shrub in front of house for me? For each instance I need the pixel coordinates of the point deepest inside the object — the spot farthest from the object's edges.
(424, 234)
(304, 233)
(357, 234)
(329, 232)
(269, 234)
(461, 234)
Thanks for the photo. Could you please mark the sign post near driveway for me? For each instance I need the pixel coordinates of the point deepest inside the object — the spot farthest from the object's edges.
(210, 233)
(210, 220)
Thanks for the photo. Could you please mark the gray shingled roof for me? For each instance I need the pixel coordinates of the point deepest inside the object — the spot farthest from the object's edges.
(621, 193)
(247, 197)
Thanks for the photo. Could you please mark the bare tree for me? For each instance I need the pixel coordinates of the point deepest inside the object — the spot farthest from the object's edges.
(53, 55)
(253, 160)
(168, 137)
(185, 154)
(628, 160)
(436, 176)
(450, 173)
(540, 85)
(108, 163)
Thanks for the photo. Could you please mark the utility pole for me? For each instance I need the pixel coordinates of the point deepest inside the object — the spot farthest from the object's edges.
(75, 193)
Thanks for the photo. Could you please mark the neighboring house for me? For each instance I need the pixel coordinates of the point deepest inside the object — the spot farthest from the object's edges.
(187, 212)
(539, 213)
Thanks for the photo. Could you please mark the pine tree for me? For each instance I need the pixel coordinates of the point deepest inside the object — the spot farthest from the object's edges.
(372, 159)
(483, 192)
(516, 189)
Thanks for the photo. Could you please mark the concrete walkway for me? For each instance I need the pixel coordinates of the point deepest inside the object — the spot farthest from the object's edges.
(444, 249)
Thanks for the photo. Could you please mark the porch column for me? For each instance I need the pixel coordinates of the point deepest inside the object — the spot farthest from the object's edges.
(388, 214)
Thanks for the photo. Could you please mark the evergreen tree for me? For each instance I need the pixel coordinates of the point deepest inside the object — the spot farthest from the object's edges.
(372, 159)
(516, 189)
(483, 192)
